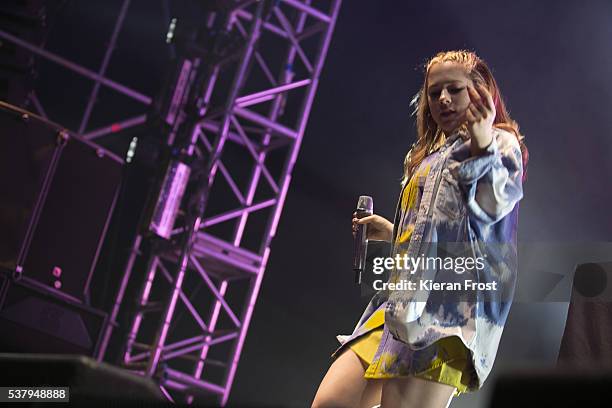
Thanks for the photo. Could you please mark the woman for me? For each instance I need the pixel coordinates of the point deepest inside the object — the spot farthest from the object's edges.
(462, 183)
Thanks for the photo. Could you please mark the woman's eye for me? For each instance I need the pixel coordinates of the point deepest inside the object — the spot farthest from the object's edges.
(456, 90)
(434, 94)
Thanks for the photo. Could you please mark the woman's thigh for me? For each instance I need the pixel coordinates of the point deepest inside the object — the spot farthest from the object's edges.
(409, 392)
(371, 394)
(344, 385)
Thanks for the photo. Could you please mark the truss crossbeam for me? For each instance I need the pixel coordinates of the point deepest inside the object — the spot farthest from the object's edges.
(76, 68)
(211, 256)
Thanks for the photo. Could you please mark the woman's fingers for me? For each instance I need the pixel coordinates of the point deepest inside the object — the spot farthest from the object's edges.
(485, 96)
(472, 114)
(469, 117)
(483, 100)
(477, 100)
(366, 220)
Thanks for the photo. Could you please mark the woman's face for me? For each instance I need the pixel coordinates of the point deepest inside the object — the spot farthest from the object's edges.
(447, 94)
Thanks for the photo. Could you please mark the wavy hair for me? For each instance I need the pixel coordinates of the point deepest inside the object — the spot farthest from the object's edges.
(428, 131)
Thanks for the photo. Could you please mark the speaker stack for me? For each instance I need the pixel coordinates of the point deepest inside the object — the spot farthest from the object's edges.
(583, 374)
(58, 194)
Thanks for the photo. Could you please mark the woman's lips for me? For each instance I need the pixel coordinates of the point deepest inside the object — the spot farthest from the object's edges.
(447, 115)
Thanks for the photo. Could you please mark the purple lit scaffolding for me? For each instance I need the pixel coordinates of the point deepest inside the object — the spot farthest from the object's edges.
(98, 78)
(211, 258)
(201, 284)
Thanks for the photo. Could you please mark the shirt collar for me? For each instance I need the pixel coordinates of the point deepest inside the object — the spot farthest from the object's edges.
(459, 132)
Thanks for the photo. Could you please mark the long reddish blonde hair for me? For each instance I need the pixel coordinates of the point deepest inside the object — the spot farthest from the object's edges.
(427, 129)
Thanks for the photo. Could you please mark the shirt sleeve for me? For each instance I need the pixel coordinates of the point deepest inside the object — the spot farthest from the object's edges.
(492, 181)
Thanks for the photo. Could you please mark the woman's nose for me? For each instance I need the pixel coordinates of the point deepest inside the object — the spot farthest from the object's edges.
(444, 97)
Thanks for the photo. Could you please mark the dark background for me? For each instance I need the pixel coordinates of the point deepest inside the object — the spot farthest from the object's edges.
(552, 60)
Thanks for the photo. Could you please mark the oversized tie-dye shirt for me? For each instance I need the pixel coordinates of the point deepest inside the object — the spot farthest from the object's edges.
(455, 205)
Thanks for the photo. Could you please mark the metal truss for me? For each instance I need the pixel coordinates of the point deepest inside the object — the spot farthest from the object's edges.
(240, 138)
(98, 77)
(202, 284)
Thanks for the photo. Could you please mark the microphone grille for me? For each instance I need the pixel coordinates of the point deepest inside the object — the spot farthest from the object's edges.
(365, 203)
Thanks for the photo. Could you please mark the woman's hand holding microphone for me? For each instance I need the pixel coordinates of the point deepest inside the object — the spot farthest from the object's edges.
(379, 228)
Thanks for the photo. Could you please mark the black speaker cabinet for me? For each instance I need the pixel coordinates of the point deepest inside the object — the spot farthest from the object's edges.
(587, 338)
(88, 381)
(58, 194)
(569, 387)
(34, 319)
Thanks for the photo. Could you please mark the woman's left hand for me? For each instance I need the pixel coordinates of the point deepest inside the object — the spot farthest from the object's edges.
(480, 115)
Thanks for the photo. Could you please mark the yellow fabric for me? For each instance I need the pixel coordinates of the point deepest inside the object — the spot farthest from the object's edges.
(453, 370)
(409, 200)
(411, 192)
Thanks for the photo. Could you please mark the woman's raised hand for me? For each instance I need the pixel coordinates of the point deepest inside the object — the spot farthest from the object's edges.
(379, 228)
(480, 116)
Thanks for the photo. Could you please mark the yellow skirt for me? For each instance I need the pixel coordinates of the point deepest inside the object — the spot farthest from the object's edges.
(454, 371)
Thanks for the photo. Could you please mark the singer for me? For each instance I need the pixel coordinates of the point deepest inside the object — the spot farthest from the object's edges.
(462, 182)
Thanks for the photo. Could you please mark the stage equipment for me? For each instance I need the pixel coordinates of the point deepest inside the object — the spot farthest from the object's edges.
(17, 42)
(587, 339)
(111, 129)
(549, 387)
(58, 196)
(365, 207)
(90, 382)
(236, 118)
(36, 319)
(169, 198)
(30, 20)
(233, 118)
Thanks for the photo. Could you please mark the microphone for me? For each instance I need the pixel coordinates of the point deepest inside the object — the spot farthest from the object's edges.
(365, 207)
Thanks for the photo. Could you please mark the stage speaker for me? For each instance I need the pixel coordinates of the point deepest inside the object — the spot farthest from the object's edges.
(59, 192)
(587, 338)
(34, 319)
(568, 387)
(89, 381)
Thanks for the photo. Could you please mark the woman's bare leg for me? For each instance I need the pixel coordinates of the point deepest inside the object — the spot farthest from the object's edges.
(416, 392)
(371, 394)
(344, 385)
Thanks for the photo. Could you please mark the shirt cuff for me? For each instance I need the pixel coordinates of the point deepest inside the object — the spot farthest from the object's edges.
(473, 168)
